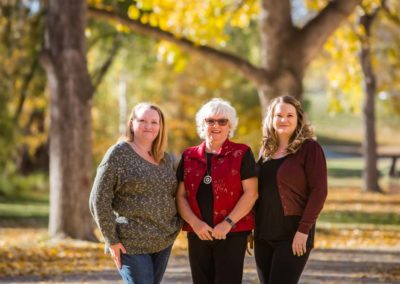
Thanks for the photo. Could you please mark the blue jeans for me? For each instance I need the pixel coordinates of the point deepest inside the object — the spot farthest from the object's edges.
(144, 268)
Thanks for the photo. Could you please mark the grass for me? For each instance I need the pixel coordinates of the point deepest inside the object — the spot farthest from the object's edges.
(347, 172)
(355, 217)
(24, 210)
(346, 128)
(24, 201)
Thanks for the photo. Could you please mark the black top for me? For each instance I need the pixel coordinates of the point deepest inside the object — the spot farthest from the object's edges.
(205, 197)
(271, 223)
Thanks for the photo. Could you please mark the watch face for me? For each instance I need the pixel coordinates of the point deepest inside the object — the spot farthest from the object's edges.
(229, 220)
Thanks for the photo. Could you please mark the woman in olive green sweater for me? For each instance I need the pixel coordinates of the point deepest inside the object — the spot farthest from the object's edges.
(133, 198)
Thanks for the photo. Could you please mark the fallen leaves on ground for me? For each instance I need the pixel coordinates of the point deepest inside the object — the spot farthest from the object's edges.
(27, 251)
(22, 255)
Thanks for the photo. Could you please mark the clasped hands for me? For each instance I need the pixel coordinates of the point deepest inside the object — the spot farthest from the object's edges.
(206, 233)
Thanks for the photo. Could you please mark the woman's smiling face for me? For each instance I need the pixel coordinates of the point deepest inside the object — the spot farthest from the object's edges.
(285, 119)
(217, 128)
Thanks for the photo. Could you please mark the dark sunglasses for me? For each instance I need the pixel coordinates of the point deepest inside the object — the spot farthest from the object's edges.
(221, 122)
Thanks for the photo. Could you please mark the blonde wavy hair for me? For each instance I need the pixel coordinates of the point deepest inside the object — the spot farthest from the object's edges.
(160, 143)
(303, 131)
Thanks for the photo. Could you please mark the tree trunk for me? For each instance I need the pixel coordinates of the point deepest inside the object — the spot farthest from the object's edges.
(71, 93)
(285, 84)
(370, 173)
(281, 58)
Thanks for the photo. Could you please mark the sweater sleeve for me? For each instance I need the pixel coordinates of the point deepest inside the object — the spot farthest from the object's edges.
(316, 175)
(100, 201)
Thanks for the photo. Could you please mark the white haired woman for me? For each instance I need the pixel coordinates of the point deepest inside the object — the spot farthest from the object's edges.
(216, 193)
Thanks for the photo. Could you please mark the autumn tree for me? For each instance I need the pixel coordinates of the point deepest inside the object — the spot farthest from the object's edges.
(286, 49)
(370, 173)
(363, 63)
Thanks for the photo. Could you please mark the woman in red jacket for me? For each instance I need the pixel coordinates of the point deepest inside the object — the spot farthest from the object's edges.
(292, 191)
(217, 190)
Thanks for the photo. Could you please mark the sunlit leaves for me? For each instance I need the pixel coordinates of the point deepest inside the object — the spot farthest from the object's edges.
(204, 22)
(345, 78)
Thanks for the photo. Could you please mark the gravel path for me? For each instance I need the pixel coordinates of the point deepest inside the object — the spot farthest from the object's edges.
(325, 266)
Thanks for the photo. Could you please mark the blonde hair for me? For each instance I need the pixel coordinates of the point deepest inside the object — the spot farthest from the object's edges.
(303, 131)
(160, 143)
(213, 107)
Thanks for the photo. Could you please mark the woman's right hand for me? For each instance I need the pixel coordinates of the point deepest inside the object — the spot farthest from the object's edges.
(115, 251)
(203, 230)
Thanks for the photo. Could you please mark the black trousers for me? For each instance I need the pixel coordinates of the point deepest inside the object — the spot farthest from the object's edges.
(218, 261)
(276, 263)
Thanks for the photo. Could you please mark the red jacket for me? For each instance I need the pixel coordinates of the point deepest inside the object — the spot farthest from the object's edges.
(302, 184)
(226, 181)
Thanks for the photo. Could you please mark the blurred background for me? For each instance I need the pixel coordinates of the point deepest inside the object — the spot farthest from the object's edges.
(341, 58)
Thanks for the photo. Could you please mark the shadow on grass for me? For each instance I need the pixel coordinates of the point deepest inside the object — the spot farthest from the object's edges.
(23, 222)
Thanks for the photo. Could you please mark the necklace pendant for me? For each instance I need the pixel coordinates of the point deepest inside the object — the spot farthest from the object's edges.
(207, 179)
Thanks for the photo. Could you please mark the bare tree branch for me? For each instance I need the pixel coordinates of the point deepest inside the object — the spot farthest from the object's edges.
(24, 89)
(248, 70)
(102, 71)
(315, 33)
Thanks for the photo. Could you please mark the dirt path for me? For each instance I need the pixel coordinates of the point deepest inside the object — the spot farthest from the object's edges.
(325, 266)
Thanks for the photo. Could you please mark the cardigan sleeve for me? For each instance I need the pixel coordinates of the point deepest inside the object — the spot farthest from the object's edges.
(101, 198)
(316, 177)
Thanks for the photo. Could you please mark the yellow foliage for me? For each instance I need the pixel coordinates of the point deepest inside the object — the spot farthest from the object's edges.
(153, 20)
(144, 19)
(133, 12)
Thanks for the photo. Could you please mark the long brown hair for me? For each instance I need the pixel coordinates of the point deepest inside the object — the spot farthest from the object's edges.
(160, 143)
(303, 131)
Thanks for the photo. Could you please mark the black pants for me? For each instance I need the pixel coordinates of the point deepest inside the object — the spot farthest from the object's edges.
(218, 261)
(276, 263)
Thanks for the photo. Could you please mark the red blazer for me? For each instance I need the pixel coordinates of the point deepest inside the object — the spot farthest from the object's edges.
(302, 184)
(226, 181)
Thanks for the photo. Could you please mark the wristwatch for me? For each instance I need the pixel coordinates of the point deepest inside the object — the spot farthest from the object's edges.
(230, 222)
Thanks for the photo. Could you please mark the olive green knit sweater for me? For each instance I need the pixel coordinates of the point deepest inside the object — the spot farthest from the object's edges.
(133, 201)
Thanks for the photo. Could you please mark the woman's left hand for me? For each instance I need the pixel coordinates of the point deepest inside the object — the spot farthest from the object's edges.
(299, 245)
(219, 232)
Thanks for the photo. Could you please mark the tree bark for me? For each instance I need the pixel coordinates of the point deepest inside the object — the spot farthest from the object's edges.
(286, 51)
(64, 60)
(369, 145)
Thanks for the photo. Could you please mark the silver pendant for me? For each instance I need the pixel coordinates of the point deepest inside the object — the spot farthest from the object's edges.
(207, 179)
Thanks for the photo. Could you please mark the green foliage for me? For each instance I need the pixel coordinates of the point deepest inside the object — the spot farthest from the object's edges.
(17, 187)
(23, 102)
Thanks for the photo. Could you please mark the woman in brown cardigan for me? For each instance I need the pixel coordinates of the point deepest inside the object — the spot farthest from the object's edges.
(292, 191)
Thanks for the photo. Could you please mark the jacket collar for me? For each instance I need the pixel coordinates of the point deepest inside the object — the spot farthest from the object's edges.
(199, 151)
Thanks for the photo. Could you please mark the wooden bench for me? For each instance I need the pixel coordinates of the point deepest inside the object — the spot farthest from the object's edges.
(388, 152)
(393, 157)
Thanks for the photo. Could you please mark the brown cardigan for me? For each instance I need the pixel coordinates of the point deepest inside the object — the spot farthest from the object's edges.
(302, 184)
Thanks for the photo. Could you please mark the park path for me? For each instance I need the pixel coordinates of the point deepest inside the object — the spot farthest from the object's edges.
(325, 266)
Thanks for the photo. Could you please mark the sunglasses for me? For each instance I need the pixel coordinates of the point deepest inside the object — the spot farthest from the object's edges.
(221, 122)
